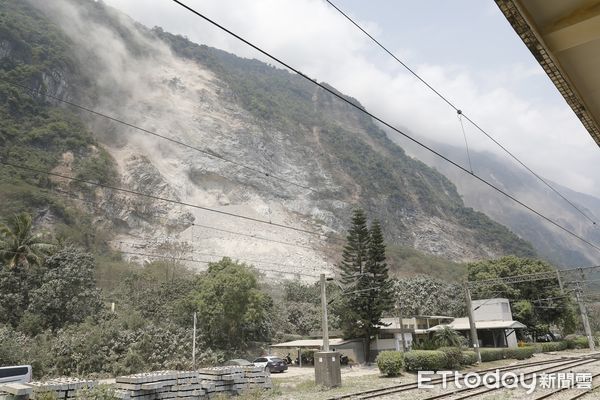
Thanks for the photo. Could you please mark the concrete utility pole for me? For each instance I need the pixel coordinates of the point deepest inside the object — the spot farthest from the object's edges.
(584, 318)
(194, 343)
(325, 323)
(401, 328)
(560, 282)
(474, 337)
(327, 363)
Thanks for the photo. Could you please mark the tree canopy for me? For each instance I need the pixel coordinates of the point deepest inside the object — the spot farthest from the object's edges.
(367, 292)
(525, 296)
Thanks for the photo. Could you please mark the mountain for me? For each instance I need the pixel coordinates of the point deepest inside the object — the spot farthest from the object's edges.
(319, 157)
(549, 241)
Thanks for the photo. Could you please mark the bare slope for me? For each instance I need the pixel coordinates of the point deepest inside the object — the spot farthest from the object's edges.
(259, 116)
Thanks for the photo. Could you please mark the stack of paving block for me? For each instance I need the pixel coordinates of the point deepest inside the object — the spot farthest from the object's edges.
(191, 385)
(15, 391)
(159, 385)
(257, 377)
(63, 388)
(223, 379)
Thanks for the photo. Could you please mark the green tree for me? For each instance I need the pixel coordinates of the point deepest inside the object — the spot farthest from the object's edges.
(447, 337)
(561, 312)
(424, 295)
(67, 292)
(19, 246)
(231, 308)
(368, 288)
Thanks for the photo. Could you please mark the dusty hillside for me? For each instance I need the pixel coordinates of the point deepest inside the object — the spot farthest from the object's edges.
(260, 117)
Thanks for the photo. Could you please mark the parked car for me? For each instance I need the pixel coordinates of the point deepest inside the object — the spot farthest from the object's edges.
(238, 362)
(15, 373)
(272, 363)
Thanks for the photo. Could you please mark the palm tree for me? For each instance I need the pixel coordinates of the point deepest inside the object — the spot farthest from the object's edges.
(19, 246)
(447, 337)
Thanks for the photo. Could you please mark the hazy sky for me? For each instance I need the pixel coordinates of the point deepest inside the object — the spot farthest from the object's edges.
(464, 48)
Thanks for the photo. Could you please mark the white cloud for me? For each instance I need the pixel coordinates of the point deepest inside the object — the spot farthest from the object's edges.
(310, 35)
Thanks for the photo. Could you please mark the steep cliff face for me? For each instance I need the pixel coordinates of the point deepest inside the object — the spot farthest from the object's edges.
(257, 116)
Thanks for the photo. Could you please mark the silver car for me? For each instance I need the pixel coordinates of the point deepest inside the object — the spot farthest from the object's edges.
(272, 363)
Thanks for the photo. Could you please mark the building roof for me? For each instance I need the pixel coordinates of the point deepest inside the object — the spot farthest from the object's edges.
(462, 324)
(564, 37)
(311, 343)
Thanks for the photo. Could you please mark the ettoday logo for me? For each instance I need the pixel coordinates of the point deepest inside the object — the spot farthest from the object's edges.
(506, 380)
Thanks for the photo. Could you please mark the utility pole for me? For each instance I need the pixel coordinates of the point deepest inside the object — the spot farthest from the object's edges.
(194, 343)
(401, 328)
(560, 282)
(474, 337)
(324, 309)
(584, 318)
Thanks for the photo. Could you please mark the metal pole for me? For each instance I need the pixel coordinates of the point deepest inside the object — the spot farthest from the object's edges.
(194, 343)
(324, 307)
(474, 337)
(401, 330)
(560, 282)
(584, 318)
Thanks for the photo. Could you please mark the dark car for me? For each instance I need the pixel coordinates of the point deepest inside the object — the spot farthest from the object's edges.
(273, 364)
(238, 362)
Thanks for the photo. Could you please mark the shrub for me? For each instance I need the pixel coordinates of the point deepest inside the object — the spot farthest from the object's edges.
(519, 353)
(100, 392)
(469, 358)
(491, 354)
(425, 360)
(390, 362)
(454, 357)
(426, 344)
(580, 342)
(553, 346)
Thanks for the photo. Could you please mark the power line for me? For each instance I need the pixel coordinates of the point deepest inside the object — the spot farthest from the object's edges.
(134, 244)
(208, 153)
(178, 202)
(396, 130)
(206, 262)
(193, 224)
(458, 110)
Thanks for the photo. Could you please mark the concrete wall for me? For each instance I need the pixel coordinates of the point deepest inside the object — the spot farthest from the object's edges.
(492, 310)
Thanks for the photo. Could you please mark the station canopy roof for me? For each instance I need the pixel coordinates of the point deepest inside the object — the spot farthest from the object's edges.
(564, 37)
(462, 324)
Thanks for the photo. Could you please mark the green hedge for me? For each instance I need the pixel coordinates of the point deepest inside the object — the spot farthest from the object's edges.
(425, 360)
(390, 362)
(554, 346)
(580, 342)
(469, 358)
(491, 354)
(454, 357)
(519, 353)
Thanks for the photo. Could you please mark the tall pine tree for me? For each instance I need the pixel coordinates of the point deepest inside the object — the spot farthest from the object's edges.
(365, 277)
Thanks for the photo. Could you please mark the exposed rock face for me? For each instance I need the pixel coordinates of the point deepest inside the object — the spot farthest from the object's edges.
(330, 162)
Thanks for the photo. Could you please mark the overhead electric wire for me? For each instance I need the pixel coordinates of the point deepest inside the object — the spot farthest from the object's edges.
(149, 132)
(393, 128)
(178, 202)
(193, 224)
(249, 260)
(458, 110)
(260, 269)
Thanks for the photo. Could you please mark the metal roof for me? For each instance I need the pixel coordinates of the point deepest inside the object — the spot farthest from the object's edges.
(462, 324)
(564, 37)
(316, 343)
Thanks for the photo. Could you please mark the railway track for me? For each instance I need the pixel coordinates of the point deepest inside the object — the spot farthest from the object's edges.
(564, 362)
(578, 395)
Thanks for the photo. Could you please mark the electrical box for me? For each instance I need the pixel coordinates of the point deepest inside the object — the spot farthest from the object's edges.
(327, 369)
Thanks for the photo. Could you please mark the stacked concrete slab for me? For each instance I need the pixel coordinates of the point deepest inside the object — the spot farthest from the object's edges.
(191, 385)
(62, 388)
(160, 385)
